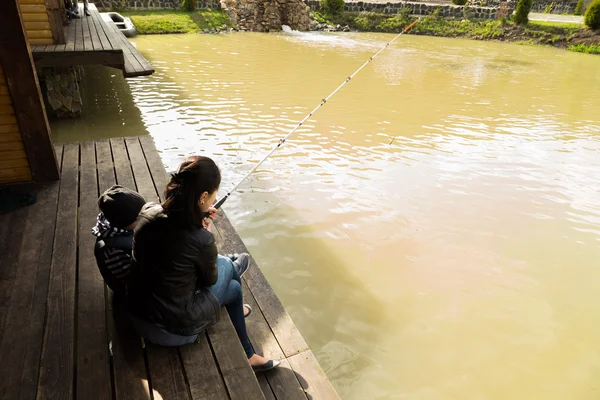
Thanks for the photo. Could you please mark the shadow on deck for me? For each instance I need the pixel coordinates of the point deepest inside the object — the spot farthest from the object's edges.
(66, 337)
(93, 40)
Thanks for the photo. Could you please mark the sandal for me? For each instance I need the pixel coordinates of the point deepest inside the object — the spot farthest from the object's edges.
(269, 365)
(247, 306)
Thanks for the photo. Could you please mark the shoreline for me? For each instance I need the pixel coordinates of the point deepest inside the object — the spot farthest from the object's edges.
(567, 36)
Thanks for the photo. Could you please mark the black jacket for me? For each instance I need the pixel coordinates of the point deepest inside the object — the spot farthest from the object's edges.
(113, 257)
(173, 266)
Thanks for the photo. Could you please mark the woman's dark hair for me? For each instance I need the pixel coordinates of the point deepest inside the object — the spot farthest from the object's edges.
(194, 176)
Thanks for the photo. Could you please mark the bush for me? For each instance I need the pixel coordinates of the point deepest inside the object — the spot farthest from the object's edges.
(459, 2)
(522, 11)
(579, 8)
(333, 7)
(549, 8)
(592, 15)
(189, 5)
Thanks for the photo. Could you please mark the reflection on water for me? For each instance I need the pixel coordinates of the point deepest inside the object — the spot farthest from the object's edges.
(109, 110)
(433, 231)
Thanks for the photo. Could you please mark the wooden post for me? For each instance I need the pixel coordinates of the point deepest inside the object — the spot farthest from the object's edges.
(55, 18)
(24, 89)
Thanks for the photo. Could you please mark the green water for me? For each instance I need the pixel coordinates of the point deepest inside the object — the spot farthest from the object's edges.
(433, 231)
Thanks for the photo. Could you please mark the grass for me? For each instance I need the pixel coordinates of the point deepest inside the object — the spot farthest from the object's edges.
(586, 48)
(175, 21)
(565, 35)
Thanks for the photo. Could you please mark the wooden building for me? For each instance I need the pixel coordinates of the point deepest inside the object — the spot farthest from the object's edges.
(26, 151)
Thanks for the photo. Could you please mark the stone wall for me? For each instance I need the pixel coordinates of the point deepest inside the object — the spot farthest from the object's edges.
(560, 7)
(417, 8)
(62, 94)
(109, 5)
(267, 15)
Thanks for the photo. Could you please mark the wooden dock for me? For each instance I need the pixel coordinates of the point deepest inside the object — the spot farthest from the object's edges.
(62, 337)
(93, 40)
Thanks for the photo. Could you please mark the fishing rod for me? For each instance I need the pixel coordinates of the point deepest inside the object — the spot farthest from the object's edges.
(321, 104)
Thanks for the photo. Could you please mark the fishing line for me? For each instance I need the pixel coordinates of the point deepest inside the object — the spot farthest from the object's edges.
(321, 104)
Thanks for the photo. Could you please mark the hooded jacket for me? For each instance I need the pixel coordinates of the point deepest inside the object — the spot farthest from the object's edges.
(173, 265)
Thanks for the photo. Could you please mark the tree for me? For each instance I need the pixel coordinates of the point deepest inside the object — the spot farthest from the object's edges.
(592, 15)
(522, 12)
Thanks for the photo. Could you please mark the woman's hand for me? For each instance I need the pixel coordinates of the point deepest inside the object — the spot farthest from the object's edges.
(211, 215)
(212, 212)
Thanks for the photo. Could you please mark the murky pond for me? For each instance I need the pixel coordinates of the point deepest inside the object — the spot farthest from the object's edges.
(433, 231)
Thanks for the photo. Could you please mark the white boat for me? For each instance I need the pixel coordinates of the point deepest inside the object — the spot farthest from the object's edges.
(123, 23)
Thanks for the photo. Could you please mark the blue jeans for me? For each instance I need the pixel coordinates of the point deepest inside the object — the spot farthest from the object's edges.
(228, 290)
(159, 335)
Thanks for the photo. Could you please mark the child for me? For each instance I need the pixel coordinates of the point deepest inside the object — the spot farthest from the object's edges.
(119, 209)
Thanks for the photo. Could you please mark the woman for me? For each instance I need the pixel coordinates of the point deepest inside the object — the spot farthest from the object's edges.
(178, 281)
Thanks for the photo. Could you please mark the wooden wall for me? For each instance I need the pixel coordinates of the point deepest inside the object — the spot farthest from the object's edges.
(14, 166)
(37, 23)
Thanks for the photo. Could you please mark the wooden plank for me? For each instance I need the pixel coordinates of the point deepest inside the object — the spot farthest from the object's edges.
(137, 60)
(104, 165)
(69, 58)
(37, 25)
(29, 289)
(167, 374)
(33, 9)
(157, 167)
(32, 2)
(79, 40)
(26, 94)
(284, 383)
(12, 154)
(286, 332)
(143, 179)
(238, 376)
(114, 36)
(41, 41)
(71, 37)
(94, 34)
(88, 44)
(9, 248)
(7, 119)
(16, 163)
(13, 173)
(122, 165)
(56, 361)
(35, 17)
(311, 376)
(5, 100)
(39, 34)
(6, 109)
(93, 374)
(264, 386)
(3, 89)
(129, 369)
(10, 137)
(130, 375)
(6, 146)
(17, 179)
(100, 28)
(202, 372)
(9, 128)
